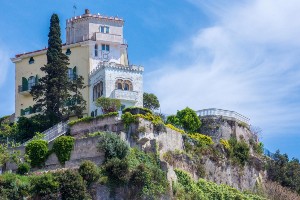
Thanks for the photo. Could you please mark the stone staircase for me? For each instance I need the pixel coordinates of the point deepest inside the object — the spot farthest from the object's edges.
(53, 132)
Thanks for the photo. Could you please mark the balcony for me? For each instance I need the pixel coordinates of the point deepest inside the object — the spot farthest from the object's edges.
(109, 37)
(125, 95)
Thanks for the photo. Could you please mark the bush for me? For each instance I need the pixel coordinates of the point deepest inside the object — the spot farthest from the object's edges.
(225, 144)
(108, 105)
(63, 147)
(13, 187)
(128, 119)
(71, 185)
(89, 172)
(117, 171)
(112, 146)
(201, 140)
(37, 151)
(173, 119)
(239, 151)
(189, 120)
(137, 110)
(23, 168)
(44, 187)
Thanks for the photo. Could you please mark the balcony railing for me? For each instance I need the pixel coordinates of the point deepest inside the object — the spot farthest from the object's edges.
(109, 37)
(25, 90)
(125, 95)
(224, 113)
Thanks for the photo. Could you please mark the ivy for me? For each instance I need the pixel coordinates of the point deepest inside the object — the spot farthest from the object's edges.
(37, 151)
(89, 119)
(128, 119)
(63, 147)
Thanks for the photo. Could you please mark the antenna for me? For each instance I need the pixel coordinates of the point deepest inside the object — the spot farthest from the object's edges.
(74, 9)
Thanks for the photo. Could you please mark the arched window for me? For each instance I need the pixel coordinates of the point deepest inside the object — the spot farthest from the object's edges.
(126, 86)
(31, 82)
(97, 90)
(96, 50)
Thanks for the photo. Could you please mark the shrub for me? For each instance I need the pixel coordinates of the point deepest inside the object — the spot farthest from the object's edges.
(155, 119)
(13, 187)
(189, 120)
(128, 119)
(108, 105)
(23, 168)
(258, 148)
(89, 119)
(173, 119)
(240, 151)
(117, 171)
(225, 144)
(63, 147)
(37, 151)
(137, 110)
(113, 146)
(71, 185)
(201, 140)
(175, 129)
(44, 187)
(89, 172)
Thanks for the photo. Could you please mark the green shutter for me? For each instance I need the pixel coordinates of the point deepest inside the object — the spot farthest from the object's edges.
(22, 112)
(24, 84)
(75, 73)
(36, 79)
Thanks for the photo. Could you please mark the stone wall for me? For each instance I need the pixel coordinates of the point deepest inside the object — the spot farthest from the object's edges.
(84, 149)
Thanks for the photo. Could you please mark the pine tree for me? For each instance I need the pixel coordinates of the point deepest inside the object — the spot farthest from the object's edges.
(55, 89)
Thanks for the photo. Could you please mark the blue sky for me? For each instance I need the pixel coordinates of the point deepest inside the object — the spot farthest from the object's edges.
(237, 55)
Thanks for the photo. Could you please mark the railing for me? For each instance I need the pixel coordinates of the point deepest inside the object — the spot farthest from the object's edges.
(109, 37)
(27, 90)
(53, 132)
(224, 113)
(125, 95)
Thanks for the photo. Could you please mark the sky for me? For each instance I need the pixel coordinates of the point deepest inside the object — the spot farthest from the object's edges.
(241, 55)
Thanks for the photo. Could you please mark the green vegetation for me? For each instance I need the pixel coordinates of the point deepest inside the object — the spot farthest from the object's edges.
(89, 119)
(108, 105)
(225, 144)
(13, 187)
(175, 129)
(137, 110)
(187, 188)
(128, 119)
(37, 151)
(187, 119)
(57, 95)
(89, 172)
(112, 146)
(284, 171)
(239, 151)
(44, 186)
(150, 101)
(23, 168)
(62, 147)
(201, 140)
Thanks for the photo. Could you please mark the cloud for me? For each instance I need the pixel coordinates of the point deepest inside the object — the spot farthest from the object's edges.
(247, 60)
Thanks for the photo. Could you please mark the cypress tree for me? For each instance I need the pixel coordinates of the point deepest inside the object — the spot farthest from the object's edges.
(55, 89)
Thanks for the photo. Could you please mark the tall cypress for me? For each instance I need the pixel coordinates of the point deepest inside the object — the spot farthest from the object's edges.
(55, 89)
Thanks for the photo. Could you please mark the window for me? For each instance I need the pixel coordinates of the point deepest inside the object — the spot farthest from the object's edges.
(97, 90)
(105, 47)
(126, 86)
(31, 82)
(31, 60)
(96, 112)
(120, 86)
(70, 74)
(68, 52)
(104, 29)
(96, 50)
(123, 85)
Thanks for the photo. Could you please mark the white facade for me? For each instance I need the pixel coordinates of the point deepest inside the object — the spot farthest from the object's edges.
(110, 73)
(112, 79)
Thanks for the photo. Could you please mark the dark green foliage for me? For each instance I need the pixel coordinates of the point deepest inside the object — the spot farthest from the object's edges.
(172, 119)
(13, 187)
(44, 187)
(239, 151)
(108, 105)
(89, 172)
(71, 185)
(284, 171)
(113, 146)
(189, 120)
(137, 110)
(23, 168)
(62, 147)
(27, 127)
(128, 119)
(89, 119)
(37, 151)
(55, 89)
(117, 170)
(150, 101)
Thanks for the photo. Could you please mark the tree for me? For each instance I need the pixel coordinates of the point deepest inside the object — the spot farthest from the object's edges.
(55, 89)
(108, 105)
(150, 101)
(173, 119)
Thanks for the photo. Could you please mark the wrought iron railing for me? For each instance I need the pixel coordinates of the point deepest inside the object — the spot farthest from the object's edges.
(54, 132)
(224, 113)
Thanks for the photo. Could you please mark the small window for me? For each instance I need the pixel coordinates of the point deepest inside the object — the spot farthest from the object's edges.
(31, 82)
(96, 50)
(96, 112)
(31, 60)
(106, 29)
(68, 52)
(126, 86)
(120, 86)
(70, 73)
(102, 29)
(105, 47)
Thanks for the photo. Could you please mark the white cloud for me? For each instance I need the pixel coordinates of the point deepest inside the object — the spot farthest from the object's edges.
(247, 60)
